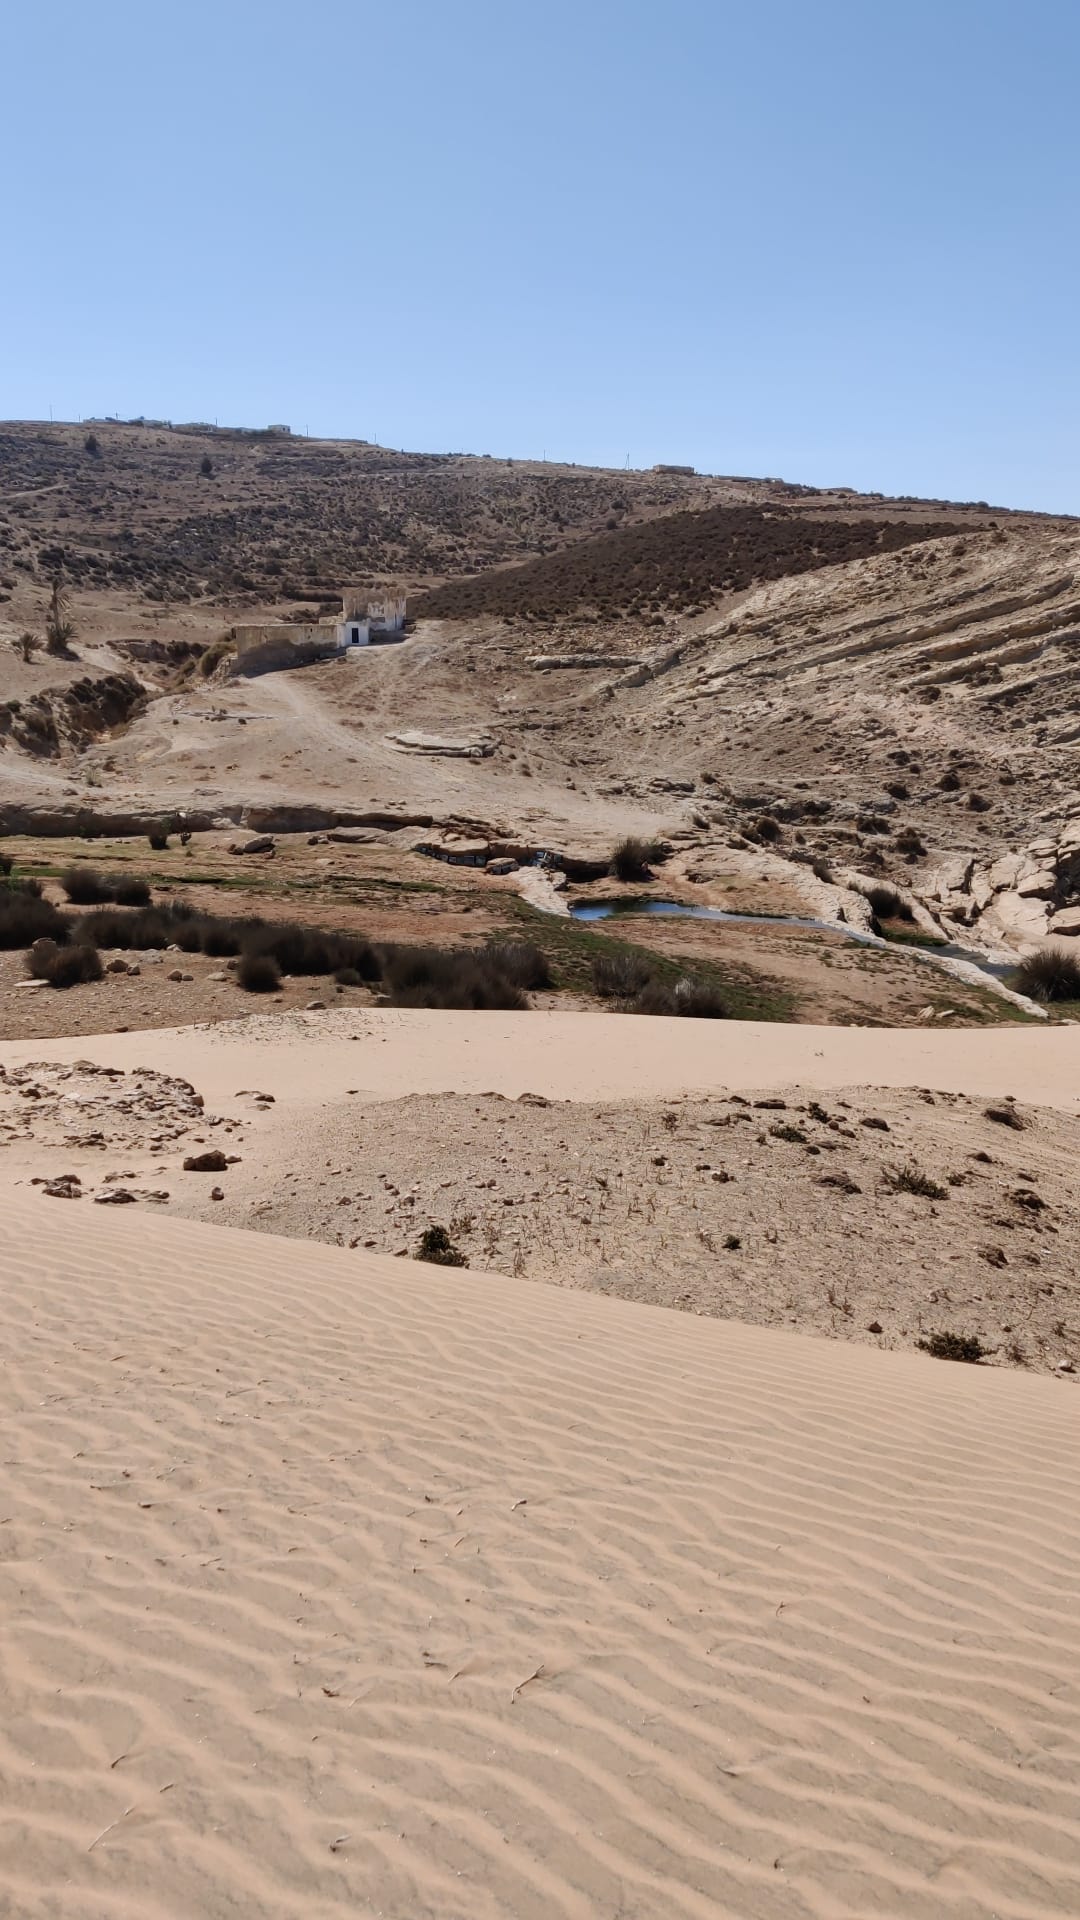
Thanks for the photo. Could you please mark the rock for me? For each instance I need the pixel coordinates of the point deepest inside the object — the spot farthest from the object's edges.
(1006, 871)
(533, 1100)
(1065, 1366)
(217, 976)
(1039, 885)
(117, 966)
(217, 1193)
(501, 865)
(261, 843)
(66, 1186)
(315, 1006)
(32, 985)
(114, 1197)
(214, 1161)
(134, 970)
(174, 974)
(953, 876)
(1066, 922)
(874, 1326)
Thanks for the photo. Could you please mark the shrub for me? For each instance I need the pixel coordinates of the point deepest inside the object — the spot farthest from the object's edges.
(85, 887)
(348, 977)
(221, 939)
(258, 973)
(90, 445)
(633, 859)
(140, 928)
(1051, 974)
(619, 976)
(439, 1250)
(436, 977)
(955, 1346)
(206, 466)
(979, 803)
(520, 962)
(911, 1179)
(6, 864)
(25, 917)
(950, 781)
(694, 999)
(909, 843)
(885, 904)
(130, 890)
(66, 966)
(767, 827)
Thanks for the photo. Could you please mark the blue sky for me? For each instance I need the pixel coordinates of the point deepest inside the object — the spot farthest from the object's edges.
(827, 241)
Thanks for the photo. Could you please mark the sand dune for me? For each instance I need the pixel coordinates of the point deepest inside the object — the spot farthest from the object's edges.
(311, 1057)
(336, 1585)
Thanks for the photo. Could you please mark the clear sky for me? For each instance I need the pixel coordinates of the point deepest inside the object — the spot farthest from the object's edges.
(828, 240)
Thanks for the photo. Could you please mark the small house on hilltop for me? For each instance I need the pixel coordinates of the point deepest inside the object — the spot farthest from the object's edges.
(367, 619)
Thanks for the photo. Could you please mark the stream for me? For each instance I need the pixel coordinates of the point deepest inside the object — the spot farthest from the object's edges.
(938, 950)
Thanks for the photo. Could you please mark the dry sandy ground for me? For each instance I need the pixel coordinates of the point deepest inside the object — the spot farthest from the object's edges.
(645, 1161)
(334, 1585)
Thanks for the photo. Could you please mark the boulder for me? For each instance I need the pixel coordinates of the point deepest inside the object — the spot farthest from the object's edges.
(1039, 885)
(1066, 921)
(952, 877)
(260, 843)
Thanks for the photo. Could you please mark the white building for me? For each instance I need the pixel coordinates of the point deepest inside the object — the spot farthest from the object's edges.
(368, 618)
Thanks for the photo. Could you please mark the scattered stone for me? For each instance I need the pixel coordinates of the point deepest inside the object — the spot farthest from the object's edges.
(66, 1186)
(114, 1197)
(874, 1326)
(1006, 1117)
(174, 974)
(117, 966)
(213, 1161)
(871, 1120)
(217, 1193)
(261, 843)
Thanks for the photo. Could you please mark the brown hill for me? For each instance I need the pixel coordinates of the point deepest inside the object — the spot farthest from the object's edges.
(134, 508)
(678, 562)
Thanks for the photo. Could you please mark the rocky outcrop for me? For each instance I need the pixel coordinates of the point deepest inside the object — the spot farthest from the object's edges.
(1019, 898)
(73, 716)
(479, 747)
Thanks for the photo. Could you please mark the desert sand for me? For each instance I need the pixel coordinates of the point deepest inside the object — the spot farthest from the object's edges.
(335, 1585)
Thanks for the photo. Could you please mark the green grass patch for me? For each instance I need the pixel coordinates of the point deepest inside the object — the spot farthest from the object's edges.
(573, 945)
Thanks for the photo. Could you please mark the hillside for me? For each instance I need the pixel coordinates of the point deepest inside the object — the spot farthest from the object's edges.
(132, 507)
(681, 562)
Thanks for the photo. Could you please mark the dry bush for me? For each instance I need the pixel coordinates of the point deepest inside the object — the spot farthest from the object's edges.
(520, 962)
(447, 977)
(1051, 974)
(258, 973)
(619, 976)
(64, 966)
(26, 917)
(85, 887)
(634, 859)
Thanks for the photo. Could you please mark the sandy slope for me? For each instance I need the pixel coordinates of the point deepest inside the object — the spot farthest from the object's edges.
(334, 1585)
(307, 1058)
